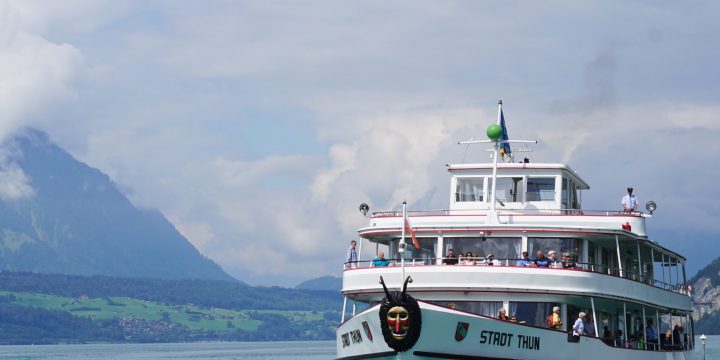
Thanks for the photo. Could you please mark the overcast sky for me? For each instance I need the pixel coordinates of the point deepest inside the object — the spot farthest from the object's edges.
(258, 127)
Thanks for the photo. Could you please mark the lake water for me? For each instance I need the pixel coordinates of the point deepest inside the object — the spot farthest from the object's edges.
(300, 350)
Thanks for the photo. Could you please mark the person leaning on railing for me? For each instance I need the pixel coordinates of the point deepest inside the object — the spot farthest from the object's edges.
(468, 259)
(451, 259)
(380, 260)
(525, 261)
(567, 263)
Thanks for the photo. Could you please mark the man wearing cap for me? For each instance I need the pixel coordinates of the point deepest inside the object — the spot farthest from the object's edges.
(552, 259)
(629, 201)
(490, 260)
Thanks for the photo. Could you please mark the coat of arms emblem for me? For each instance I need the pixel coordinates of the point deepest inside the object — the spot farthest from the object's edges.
(368, 333)
(461, 331)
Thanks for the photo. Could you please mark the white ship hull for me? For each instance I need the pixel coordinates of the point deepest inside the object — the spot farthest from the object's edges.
(485, 338)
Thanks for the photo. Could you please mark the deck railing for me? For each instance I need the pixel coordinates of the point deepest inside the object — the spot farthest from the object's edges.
(508, 212)
(481, 262)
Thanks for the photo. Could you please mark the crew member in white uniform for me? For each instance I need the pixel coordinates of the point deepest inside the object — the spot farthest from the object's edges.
(629, 201)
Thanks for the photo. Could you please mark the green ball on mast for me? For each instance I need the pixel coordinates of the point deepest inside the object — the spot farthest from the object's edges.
(494, 132)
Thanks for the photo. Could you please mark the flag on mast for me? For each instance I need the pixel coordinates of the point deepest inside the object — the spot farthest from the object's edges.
(412, 233)
(504, 147)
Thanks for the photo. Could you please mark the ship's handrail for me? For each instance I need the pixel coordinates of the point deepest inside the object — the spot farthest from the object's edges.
(513, 262)
(509, 212)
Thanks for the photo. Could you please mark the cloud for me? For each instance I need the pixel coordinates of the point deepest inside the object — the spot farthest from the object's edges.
(14, 184)
(35, 73)
(199, 234)
(258, 128)
(696, 116)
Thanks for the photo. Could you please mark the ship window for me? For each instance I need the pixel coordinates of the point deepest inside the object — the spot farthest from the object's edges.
(502, 248)
(469, 189)
(532, 313)
(540, 189)
(560, 245)
(424, 255)
(509, 189)
(485, 308)
(564, 193)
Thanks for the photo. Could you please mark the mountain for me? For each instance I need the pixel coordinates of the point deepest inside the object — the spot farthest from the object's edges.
(706, 299)
(330, 283)
(76, 221)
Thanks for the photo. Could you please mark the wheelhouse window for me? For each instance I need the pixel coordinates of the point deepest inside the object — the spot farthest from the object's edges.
(509, 189)
(541, 189)
(569, 197)
(470, 189)
(502, 248)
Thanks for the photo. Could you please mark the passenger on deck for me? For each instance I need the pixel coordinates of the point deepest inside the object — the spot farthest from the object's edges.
(450, 259)
(589, 325)
(651, 332)
(552, 259)
(638, 336)
(525, 261)
(468, 259)
(540, 259)
(380, 260)
(490, 260)
(502, 315)
(677, 337)
(555, 321)
(351, 258)
(579, 326)
(607, 336)
(567, 263)
(666, 340)
(629, 201)
(619, 340)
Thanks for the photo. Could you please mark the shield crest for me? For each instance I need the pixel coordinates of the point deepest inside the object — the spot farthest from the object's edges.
(368, 333)
(461, 331)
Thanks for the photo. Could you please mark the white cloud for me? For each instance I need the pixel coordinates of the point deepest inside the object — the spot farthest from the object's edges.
(199, 234)
(700, 116)
(14, 184)
(259, 127)
(34, 73)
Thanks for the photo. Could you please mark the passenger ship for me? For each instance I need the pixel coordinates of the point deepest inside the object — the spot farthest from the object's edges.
(418, 307)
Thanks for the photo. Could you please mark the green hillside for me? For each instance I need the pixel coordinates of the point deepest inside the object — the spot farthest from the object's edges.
(135, 320)
(53, 308)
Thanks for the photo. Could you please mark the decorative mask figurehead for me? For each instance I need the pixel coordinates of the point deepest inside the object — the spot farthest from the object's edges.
(400, 318)
(398, 322)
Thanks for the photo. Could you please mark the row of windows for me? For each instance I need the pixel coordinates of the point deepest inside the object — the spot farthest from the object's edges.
(514, 189)
(618, 324)
(650, 266)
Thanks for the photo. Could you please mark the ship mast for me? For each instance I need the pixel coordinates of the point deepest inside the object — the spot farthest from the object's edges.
(494, 132)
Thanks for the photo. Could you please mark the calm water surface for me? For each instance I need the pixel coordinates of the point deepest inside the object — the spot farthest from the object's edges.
(300, 350)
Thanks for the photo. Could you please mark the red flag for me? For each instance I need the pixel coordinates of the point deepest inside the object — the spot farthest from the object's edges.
(412, 234)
